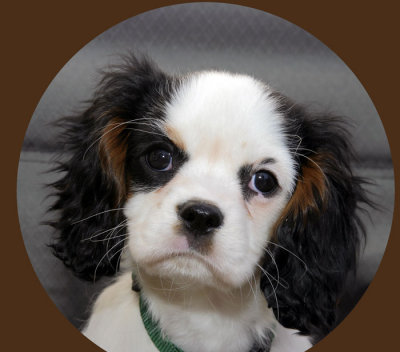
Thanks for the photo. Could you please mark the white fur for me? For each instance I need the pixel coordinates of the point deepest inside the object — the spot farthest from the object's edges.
(116, 326)
(205, 302)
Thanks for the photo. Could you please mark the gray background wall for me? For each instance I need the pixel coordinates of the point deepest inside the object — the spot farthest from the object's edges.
(191, 37)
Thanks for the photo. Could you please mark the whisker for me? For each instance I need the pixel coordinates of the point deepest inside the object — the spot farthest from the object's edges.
(144, 131)
(305, 149)
(251, 287)
(170, 289)
(276, 298)
(151, 124)
(276, 265)
(287, 250)
(121, 252)
(309, 159)
(143, 120)
(211, 303)
(111, 236)
(92, 216)
(104, 256)
(102, 232)
(285, 286)
(104, 134)
(116, 125)
(107, 239)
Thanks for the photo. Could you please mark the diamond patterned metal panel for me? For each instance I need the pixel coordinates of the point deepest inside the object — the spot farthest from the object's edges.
(198, 36)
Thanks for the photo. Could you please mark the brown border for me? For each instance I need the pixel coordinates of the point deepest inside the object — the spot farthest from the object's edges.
(41, 36)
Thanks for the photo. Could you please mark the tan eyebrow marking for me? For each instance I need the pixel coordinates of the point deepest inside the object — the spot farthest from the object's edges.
(112, 150)
(174, 136)
(311, 191)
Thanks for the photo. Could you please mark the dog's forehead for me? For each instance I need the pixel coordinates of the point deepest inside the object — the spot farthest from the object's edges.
(224, 115)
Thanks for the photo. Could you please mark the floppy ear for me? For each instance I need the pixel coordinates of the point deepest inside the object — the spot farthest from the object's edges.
(90, 196)
(94, 186)
(316, 240)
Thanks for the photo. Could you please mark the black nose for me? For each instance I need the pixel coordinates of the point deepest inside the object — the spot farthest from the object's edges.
(200, 217)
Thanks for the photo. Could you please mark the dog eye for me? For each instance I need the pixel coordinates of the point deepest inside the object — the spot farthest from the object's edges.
(159, 159)
(263, 182)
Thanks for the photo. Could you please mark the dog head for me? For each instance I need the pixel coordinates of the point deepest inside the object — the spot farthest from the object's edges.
(211, 177)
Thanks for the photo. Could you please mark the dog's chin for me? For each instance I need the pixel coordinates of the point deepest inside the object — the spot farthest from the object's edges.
(190, 268)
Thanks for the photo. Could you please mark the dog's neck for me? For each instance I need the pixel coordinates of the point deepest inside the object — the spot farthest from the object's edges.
(202, 318)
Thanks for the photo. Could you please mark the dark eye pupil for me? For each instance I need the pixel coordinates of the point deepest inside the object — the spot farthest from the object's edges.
(264, 182)
(159, 159)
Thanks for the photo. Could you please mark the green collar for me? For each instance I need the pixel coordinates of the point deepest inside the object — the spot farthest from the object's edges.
(154, 331)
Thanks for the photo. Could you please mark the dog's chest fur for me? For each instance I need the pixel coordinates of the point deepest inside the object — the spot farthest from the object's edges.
(116, 323)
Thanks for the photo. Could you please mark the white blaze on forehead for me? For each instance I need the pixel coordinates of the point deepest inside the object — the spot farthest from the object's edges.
(228, 118)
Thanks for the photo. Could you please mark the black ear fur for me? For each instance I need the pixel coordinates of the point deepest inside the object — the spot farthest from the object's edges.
(318, 237)
(95, 182)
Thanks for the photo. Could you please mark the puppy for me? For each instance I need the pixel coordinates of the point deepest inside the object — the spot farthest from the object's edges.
(229, 211)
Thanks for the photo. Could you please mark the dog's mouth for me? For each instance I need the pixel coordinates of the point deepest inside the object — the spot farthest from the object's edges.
(188, 264)
(180, 249)
(186, 255)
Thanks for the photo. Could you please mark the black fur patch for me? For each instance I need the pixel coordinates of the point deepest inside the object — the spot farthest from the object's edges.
(324, 232)
(89, 199)
(244, 176)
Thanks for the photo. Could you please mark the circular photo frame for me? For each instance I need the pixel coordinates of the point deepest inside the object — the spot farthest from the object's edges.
(169, 64)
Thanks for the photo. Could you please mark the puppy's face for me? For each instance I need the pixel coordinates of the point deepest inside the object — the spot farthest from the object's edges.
(210, 178)
(208, 168)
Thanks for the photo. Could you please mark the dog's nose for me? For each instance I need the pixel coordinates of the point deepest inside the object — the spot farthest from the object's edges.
(199, 217)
